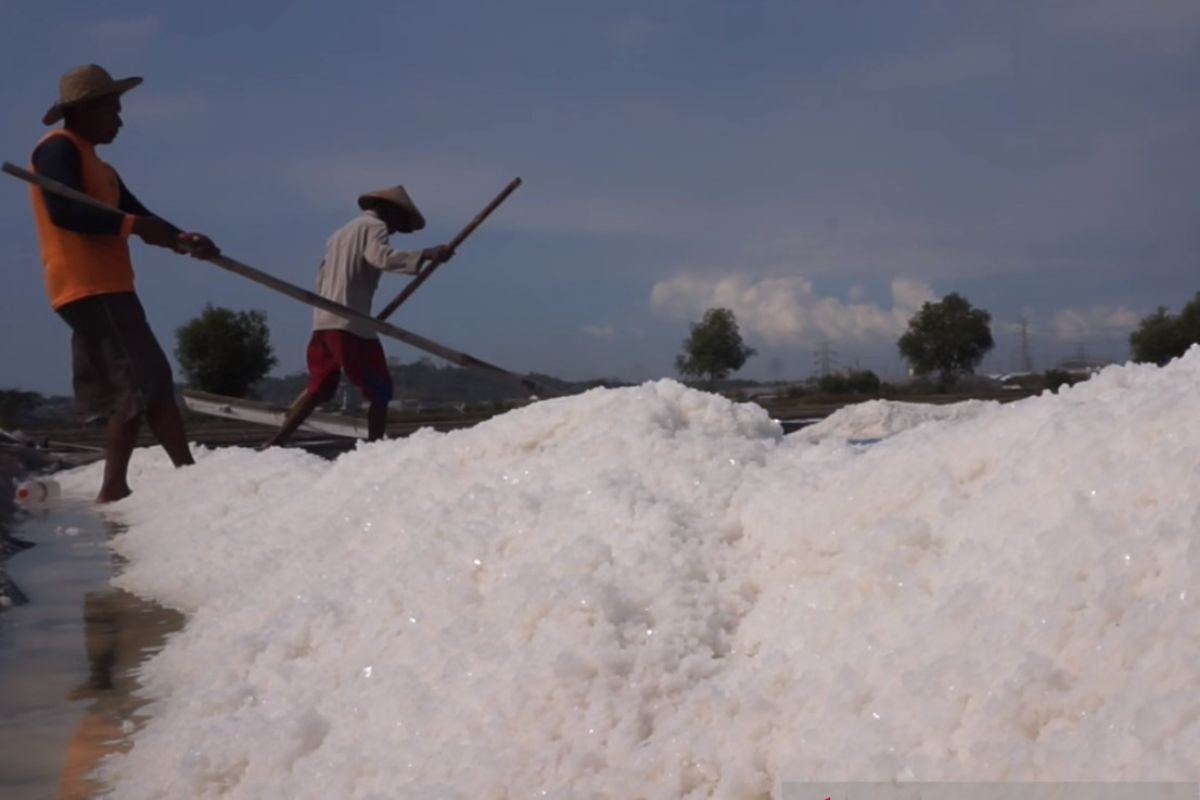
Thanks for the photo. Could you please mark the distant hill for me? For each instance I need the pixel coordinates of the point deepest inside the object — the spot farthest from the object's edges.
(431, 384)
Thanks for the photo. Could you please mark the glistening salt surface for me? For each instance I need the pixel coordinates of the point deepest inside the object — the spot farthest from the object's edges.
(650, 592)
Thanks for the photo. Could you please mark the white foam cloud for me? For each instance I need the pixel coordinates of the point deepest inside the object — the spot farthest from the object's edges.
(787, 310)
(1077, 324)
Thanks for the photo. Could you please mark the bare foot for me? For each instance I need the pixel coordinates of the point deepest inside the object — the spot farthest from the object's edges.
(113, 495)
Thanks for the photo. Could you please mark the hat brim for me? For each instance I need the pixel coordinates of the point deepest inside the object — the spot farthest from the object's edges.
(370, 200)
(59, 110)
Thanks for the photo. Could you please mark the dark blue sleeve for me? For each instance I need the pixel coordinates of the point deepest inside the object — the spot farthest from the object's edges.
(59, 159)
(131, 205)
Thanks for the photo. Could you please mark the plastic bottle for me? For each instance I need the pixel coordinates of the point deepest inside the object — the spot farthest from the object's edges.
(38, 492)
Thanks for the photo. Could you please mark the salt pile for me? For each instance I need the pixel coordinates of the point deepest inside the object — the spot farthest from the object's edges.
(651, 592)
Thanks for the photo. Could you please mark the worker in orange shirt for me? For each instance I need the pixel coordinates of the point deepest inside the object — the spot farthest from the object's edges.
(120, 372)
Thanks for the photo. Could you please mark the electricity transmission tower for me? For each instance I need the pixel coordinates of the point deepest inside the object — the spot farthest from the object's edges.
(823, 359)
(1026, 358)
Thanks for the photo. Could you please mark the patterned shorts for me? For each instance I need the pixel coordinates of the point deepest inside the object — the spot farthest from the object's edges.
(118, 366)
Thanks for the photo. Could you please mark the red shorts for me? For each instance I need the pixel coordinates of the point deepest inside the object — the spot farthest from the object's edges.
(332, 352)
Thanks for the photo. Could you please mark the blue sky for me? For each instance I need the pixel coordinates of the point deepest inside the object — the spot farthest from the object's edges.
(821, 168)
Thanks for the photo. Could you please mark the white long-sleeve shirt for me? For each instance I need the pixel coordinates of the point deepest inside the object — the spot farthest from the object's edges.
(355, 255)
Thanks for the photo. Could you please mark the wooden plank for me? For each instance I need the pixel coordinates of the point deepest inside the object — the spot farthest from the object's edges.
(270, 415)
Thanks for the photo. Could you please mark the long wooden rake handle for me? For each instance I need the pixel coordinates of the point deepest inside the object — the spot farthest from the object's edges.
(424, 274)
(296, 293)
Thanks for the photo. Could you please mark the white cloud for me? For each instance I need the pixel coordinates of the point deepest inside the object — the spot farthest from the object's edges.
(786, 310)
(125, 32)
(1097, 322)
(599, 331)
(1031, 327)
(909, 295)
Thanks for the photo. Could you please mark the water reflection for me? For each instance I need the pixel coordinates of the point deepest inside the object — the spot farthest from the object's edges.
(120, 632)
(10, 594)
(69, 659)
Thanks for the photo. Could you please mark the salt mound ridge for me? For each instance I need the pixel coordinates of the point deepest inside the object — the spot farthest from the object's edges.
(879, 419)
(650, 592)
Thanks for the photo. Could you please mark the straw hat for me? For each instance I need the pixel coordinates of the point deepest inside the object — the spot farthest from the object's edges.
(395, 196)
(81, 84)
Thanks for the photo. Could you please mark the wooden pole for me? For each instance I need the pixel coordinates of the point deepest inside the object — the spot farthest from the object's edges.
(295, 292)
(424, 274)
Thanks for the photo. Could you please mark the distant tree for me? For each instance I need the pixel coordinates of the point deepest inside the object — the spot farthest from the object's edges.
(16, 406)
(714, 348)
(1189, 323)
(863, 381)
(1156, 339)
(1162, 336)
(833, 383)
(224, 351)
(949, 338)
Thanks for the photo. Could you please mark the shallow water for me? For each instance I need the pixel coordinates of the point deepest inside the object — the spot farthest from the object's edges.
(68, 657)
